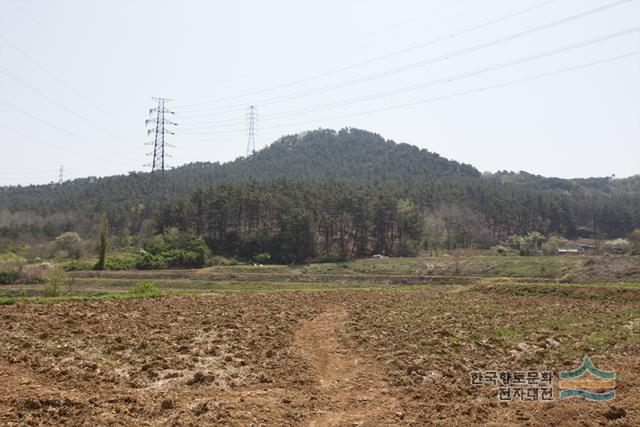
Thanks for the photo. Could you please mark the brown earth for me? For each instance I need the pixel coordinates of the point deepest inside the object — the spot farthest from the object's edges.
(310, 358)
(352, 389)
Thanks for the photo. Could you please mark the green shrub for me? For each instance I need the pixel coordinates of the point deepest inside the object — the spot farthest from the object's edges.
(149, 261)
(145, 289)
(78, 266)
(8, 277)
(120, 263)
(184, 259)
(501, 250)
(11, 268)
(409, 247)
(222, 261)
(155, 245)
(178, 249)
(262, 258)
(56, 284)
(526, 245)
(331, 257)
(70, 243)
(634, 240)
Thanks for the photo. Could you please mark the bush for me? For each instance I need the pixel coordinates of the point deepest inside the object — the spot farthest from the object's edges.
(155, 245)
(56, 283)
(551, 246)
(78, 266)
(144, 289)
(262, 258)
(11, 268)
(149, 261)
(8, 277)
(527, 245)
(120, 263)
(222, 261)
(70, 243)
(175, 248)
(409, 247)
(634, 240)
(36, 273)
(184, 259)
(501, 250)
(331, 257)
(616, 247)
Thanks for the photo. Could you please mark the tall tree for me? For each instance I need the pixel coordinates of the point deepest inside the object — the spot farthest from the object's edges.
(103, 241)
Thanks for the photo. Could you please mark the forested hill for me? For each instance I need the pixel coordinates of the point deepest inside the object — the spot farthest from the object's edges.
(325, 155)
(371, 168)
(322, 155)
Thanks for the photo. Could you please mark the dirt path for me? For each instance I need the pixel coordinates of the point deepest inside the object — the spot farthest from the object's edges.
(351, 389)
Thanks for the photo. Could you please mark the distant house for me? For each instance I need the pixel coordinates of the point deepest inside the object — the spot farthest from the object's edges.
(563, 251)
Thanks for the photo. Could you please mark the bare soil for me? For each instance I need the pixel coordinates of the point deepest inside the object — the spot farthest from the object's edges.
(351, 389)
(311, 358)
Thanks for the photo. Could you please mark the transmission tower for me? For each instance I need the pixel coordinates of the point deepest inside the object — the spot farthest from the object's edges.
(159, 130)
(252, 118)
(61, 175)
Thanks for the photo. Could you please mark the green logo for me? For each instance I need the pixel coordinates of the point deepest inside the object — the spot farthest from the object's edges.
(587, 382)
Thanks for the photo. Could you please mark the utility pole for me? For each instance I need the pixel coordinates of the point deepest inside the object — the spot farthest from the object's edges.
(158, 128)
(252, 117)
(61, 175)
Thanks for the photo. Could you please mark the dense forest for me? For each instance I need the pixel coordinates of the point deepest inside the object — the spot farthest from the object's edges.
(346, 193)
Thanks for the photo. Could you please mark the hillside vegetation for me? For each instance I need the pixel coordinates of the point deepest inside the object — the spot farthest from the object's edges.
(340, 194)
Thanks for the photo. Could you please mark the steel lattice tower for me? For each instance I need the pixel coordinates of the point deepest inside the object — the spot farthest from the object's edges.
(252, 118)
(159, 129)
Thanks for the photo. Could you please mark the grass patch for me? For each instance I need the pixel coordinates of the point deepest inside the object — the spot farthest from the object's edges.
(477, 336)
(68, 298)
(144, 289)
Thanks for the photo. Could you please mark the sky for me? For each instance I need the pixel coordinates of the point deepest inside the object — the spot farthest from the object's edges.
(549, 87)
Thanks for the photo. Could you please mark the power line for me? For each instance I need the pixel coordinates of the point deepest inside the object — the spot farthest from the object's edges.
(17, 132)
(52, 75)
(46, 122)
(27, 12)
(412, 66)
(39, 173)
(460, 94)
(446, 80)
(461, 76)
(483, 89)
(43, 121)
(53, 101)
(382, 57)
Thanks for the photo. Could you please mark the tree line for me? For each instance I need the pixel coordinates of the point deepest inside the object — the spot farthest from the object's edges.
(293, 222)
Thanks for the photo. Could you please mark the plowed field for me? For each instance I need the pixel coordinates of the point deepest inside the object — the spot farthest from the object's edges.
(312, 357)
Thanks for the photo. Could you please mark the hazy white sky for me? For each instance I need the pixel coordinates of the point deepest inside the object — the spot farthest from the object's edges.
(90, 69)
